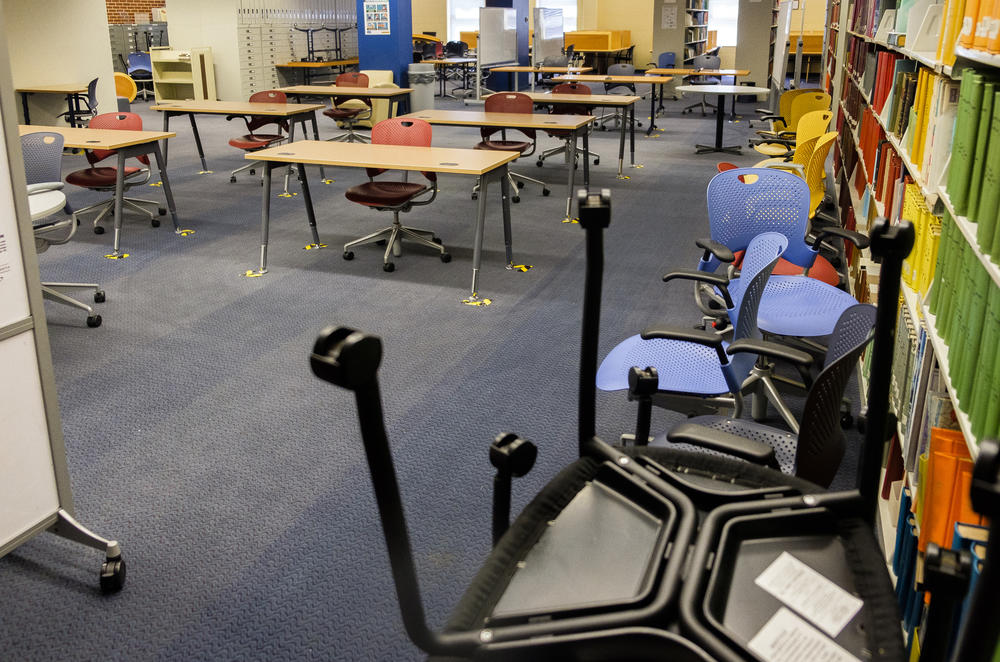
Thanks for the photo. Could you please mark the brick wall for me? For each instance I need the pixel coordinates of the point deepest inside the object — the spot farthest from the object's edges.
(123, 11)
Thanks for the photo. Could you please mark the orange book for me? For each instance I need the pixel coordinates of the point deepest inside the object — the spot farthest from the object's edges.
(993, 36)
(968, 33)
(980, 38)
(946, 454)
(961, 501)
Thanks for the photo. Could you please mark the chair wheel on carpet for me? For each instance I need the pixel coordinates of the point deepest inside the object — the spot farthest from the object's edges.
(348, 255)
(519, 184)
(446, 257)
(154, 222)
(252, 171)
(162, 211)
(538, 163)
(545, 192)
(597, 162)
(515, 198)
(113, 575)
(232, 179)
(388, 266)
(475, 195)
(94, 321)
(99, 296)
(98, 229)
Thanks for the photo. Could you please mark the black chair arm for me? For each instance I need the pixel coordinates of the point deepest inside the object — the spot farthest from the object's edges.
(771, 350)
(856, 238)
(724, 442)
(773, 117)
(717, 280)
(245, 118)
(712, 247)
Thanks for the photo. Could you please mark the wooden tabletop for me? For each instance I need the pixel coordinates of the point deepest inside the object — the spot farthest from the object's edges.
(583, 99)
(83, 138)
(449, 60)
(333, 90)
(237, 107)
(325, 63)
(698, 72)
(543, 70)
(510, 120)
(577, 49)
(61, 88)
(601, 78)
(722, 89)
(391, 157)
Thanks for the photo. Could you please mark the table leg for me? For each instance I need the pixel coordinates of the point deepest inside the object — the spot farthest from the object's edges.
(265, 219)
(197, 142)
(505, 204)
(166, 127)
(288, 170)
(652, 110)
(167, 193)
(631, 135)
(586, 155)
(310, 212)
(119, 199)
(621, 145)
(571, 166)
(477, 247)
(315, 126)
(24, 106)
(720, 112)
(514, 75)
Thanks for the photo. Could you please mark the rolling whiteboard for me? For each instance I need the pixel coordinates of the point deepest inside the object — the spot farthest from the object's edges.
(497, 36)
(548, 39)
(781, 44)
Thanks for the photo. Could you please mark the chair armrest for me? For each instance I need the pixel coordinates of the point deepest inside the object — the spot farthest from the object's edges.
(773, 118)
(770, 349)
(706, 338)
(246, 120)
(716, 280)
(788, 143)
(797, 168)
(856, 238)
(44, 186)
(724, 442)
(714, 248)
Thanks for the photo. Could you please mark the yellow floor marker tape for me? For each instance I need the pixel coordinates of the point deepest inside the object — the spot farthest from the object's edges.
(157, 184)
(286, 195)
(519, 267)
(186, 232)
(477, 302)
(309, 247)
(121, 256)
(253, 274)
(329, 181)
(573, 220)
(205, 172)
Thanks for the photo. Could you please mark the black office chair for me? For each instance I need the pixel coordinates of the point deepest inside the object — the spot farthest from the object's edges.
(456, 49)
(625, 56)
(83, 115)
(624, 89)
(704, 62)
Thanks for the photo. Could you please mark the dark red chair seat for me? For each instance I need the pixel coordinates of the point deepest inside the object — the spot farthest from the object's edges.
(99, 177)
(344, 113)
(383, 194)
(505, 145)
(820, 270)
(255, 140)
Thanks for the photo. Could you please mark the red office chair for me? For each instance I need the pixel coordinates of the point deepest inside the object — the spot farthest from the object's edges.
(396, 196)
(510, 102)
(349, 115)
(567, 109)
(104, 178)
(254, 140)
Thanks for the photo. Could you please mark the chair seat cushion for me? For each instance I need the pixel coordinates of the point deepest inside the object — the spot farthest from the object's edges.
(99, 177)
(505, 145)
(772, 149)
(255, 140)
(682, 367)
(383, 194)
(801, 307)
(821, 269)
(343, 113)
(783, 442)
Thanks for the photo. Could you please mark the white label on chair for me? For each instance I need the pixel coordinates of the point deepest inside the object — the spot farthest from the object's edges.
(788, 638)
(808, 592)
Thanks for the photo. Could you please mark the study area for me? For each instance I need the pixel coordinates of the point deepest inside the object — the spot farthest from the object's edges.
(670, 330)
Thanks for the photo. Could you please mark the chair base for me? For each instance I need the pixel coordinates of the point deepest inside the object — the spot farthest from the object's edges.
(564, 149)
(93, 319)
(617, 116)
(513, 178)
(392, 236)
(350, 136)
(703, 104)
(107, 207)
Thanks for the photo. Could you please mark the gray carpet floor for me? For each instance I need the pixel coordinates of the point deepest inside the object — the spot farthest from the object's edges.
(235, 480)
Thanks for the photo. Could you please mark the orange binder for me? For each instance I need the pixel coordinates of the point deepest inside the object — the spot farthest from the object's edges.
(993, 37)
(968, 34)
(945, 488)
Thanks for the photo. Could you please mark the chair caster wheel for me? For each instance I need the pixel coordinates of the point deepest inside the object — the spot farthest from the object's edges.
(846, 420)
(446, 257)
(98, 229)
(232, 179)
(516, 198)
(99, 296)
(475, 196)
(162, 211)
(389, 266)
(519, 184)
(597, 162)
(538, 163)
(348, 255)
(112, 575)
(380, 242)
(436, 240)
(252, 171)
(545, 192)
(154, 222)
(639, 124)
(94, 321)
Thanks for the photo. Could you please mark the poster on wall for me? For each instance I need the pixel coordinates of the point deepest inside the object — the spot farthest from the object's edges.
(376, 17)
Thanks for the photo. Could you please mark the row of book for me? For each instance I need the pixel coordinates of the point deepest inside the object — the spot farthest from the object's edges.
(918, 267)
(966, 304)
(974, 174)
(976, 23)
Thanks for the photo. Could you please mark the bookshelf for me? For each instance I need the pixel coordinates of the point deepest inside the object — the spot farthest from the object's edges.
(183, 74)
(695, 34)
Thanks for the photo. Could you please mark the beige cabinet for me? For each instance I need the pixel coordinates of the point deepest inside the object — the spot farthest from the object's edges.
(183, 74)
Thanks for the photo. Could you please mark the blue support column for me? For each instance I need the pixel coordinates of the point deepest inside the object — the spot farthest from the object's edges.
(393, 51)
(522, 38)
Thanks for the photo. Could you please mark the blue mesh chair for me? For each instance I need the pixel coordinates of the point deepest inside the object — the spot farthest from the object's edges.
(704, 62)
(140, 68)
(697, 370)
(814, 453)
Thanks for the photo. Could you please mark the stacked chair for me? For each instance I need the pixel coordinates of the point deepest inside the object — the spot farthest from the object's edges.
(784, 129)
(642, 552)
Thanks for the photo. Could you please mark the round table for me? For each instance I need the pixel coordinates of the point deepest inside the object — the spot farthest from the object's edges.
(722, 91)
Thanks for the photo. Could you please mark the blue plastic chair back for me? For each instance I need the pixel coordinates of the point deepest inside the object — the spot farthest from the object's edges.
(744, 202)
(666, 60)
(42, 157)
(139, 62)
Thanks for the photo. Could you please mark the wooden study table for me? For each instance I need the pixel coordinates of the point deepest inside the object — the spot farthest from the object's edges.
(599, 57)
(722, 91)
(576, 123)
(442, 65)
(71, 91)
(626, 101)
(308, 68)
(653, 81)
(128, 144)
(400, 95)
(488, 165)
(518, 69)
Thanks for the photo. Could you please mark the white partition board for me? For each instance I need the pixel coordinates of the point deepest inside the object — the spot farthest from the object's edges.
(13, 289)
(548, 37)
(497, 36)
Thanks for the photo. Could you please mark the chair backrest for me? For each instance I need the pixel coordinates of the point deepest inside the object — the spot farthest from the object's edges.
(785, 105)
(507, 102)
(456, 48)
(555, 61)
(92, 96)
(438, 49)
(806, 103)
(743, 202)
(811, 126)
(570, 108)
(402, 131)
(268, 96)
(118, 122)
(125, 86)
(42, 157)
(620, 69)
(666, 60)
(706, 62)
(139, 62)
(815, 167)
(821, 440)
(352, 79)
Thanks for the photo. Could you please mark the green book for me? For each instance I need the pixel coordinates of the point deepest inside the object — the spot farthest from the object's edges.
(989, 200)
(994, 249)
(950, 293)
(940, 284)
(979, 156)
(987, 377)
(964, 142)
(972, 332)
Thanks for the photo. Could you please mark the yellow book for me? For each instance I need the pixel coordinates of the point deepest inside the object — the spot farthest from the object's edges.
(993, 36)
(954, 28)
(923, 100)
(968, 33)
(980, 38)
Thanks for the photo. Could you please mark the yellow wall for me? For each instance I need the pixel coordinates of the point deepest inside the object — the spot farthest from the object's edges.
(430, 16)
(815, 16)
(638, 18)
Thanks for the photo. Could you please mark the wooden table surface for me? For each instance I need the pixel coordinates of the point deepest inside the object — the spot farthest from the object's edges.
(83, 138)
(722, 89)
(237, 107)
(333, 90)
(602, 78)
(542, 70)
(585, 99)
(315, 65)
(61, 88)
(391, 157)
(511, 120)
(698, 72)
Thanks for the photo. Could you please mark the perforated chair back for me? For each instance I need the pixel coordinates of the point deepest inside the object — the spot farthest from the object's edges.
(351, 79)
(743, 202)
(125, 87)
(507, 102)
(570, 108)
(804, 104)
(621, 69)
(402, 131)
(821, 439)
(267, 96)
(456, 49)
(812, 125)
(666, 60)
(705, 62)
(119, 122)
(42, 157)
(140, 66)
(814, 169)
(92, 95)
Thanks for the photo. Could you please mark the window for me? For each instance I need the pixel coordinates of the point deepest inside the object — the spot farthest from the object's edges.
(722, 17)
(568, 8)
(463, 15)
